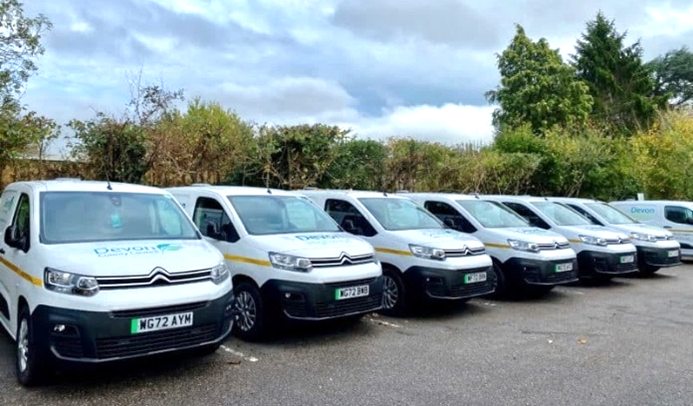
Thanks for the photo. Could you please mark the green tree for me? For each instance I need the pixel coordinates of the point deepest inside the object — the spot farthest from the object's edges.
(620, 84)
(673, 74)
(359, 164)
(537, 87)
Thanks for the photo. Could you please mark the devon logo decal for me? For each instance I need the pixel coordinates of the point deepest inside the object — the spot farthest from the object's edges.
(104, 252)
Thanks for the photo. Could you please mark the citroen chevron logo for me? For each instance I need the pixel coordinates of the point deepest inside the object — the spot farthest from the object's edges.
(342, 259)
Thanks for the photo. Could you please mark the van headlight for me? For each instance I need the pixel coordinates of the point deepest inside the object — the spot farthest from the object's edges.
(219, 273)
(588, 239)
(524, 245)
(643, 237)
(427, 252)
(70, 283)
(290, 262)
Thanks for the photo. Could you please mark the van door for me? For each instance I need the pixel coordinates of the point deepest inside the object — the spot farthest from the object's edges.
(679, 220)
(214, 223)
(349, 218)
(529, 215)
(8, 200)
(450, 216)
(15, 272)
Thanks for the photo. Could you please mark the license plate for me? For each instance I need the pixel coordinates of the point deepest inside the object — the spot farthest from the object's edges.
(156, 323)
(475, 277)
(674, 253)
(351, 292)
(564, 267)
(627, 259)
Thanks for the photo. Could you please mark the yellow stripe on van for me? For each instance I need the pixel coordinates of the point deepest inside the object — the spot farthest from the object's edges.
(575, 241)
(492, 245)
(247, 260)
(15, 269)
(675, 230)
(391, 251)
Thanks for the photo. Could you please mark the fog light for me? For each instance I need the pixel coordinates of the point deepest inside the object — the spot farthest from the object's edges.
(59, 328)
(294, 297)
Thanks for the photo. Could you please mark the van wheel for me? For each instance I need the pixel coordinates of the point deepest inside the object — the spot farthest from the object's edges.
(501, 290)
(648, 270)
(249, 322)
(394, 293)
(32, 365)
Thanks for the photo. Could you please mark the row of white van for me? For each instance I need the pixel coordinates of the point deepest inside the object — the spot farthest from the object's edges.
(92, 272)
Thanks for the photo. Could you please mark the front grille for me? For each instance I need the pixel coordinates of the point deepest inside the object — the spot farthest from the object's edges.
(349, 306)
(158, 277)
(655, 258)
(155, 311)
(296, 308)
(68, 347)
(554, 246)
(616, 241)
(463, 252)
(558, 277)
(134, 345)
(342, 260)
(437, 288)
(346, 284)
(601, 265)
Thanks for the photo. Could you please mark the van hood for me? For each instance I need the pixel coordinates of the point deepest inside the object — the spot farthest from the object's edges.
(596, 231)
(313, 245)
(531, 234)
(433, 238)
(132, 258)
(642, 228)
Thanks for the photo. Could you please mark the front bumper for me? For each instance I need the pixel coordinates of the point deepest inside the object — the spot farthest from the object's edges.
(446, 284)
(317, 301)
(658, 257)
(541, 272)
(592, 263)
(96, 337)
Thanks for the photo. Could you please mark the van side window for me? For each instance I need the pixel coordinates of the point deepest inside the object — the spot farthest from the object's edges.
(585, 213)
(528, 215)
(349, 218)
(451, 217)
(678, 214)
(21, 222)
(209, 216)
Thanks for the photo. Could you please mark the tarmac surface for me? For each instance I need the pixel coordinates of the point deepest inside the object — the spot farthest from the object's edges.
(628, 343)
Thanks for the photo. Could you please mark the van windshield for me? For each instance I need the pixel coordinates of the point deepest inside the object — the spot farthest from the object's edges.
(264, 215)
(610, 214)
(492, 214)
(78, 217)
(400, 214)
(560, 214)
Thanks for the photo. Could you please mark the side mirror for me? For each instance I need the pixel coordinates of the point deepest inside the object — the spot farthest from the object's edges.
(14, 240)
(689, 220)
(349, 226)
(450, 222)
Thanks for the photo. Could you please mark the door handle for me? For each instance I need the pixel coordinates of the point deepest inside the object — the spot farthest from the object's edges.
(667, 226)
(2, 251)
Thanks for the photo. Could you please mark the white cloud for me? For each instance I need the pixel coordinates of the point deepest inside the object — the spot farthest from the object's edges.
(449, 124)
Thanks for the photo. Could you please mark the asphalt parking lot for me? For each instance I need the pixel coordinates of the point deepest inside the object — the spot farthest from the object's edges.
(627, 343)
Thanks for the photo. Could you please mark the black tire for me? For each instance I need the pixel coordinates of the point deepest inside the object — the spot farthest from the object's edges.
(502, 289)
(249, 322)
(33, 365)
(395, 296)
(648, 270)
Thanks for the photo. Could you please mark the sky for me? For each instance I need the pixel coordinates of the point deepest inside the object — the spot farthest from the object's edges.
(382, 68)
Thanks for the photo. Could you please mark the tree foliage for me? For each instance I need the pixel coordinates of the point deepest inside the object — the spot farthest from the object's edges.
(620, 84)
(673, 75)
(537, 87)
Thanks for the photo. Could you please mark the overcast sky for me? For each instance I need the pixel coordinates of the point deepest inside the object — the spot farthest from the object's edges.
(381, 67)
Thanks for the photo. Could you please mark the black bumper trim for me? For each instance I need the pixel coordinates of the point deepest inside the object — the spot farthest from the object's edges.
(443, 284)
(657, 257)
(592, 263)
(541, 272)
(100, 337)
(317, 301)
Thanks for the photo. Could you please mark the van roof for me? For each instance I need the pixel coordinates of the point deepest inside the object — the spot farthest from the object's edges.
(230, 190)
(77, 185)
(355, 193)
(524, 198)
(575, 199)
(653, 201)
(433, 195)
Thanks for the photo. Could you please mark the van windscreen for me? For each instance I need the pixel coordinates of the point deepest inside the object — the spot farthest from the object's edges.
(492, 214)
(79, 217)
(610, 214)
(561, 215)
(400, 214)
(265, 215)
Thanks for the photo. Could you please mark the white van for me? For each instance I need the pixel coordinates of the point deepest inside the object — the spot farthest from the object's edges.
(94, 271)
(656, 246)
(675, 216)
(524, 257)
(602, 253)
(288, 259)
(421, 259)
